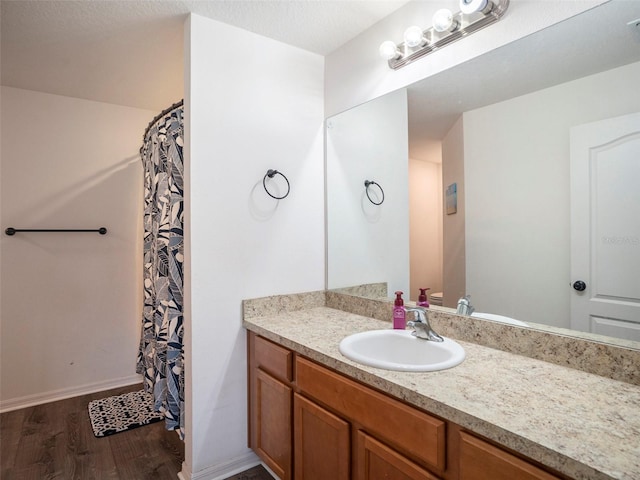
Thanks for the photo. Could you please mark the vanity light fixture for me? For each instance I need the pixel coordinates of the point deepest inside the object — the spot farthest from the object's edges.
(414, 37)
(447, 28)
(473, 6)
(389, 51)
(443, 21)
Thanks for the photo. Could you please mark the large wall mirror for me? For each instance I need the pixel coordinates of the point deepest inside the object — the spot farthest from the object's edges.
(478, 165)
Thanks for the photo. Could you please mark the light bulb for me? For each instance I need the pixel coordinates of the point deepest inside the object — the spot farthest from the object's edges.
(472, 6)
(413, 37)
(388, 50)
(443, 21)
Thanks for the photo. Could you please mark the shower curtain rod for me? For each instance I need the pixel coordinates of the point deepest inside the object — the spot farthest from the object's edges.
(159, 116)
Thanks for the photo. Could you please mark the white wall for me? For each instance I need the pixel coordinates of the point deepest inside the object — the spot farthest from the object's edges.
(355, 73)
(71, 302)
(368, 243)
(425, 224)
(517, 195)
(454, 250)
(251, 104)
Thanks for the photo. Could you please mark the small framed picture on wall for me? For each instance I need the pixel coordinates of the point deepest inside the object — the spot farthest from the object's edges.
(451, 199)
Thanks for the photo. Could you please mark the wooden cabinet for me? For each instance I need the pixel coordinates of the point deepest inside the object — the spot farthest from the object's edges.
(270, 403)
(377, 461)
(307, 422)
(479, 460)
(415, 433)
(322, 442)
(273, 423)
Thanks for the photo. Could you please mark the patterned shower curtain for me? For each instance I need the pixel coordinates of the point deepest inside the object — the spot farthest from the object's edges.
(161, 354)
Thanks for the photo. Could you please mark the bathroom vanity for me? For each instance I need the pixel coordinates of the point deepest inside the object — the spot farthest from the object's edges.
(313, 413)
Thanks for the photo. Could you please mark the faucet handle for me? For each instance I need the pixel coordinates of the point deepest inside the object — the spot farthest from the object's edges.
(420, 314)
(421, 326)
(464, 306)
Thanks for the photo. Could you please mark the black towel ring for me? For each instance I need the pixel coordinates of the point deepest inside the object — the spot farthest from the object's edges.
(366, 186)
(272, 173)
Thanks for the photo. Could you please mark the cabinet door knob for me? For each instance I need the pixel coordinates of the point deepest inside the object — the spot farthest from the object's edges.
(579, 285)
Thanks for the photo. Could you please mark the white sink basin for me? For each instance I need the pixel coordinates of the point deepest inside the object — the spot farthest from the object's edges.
(499, 318)
(399, 350)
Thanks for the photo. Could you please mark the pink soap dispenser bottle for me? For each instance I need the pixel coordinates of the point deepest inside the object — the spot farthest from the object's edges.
(399, 315)
(422, 298)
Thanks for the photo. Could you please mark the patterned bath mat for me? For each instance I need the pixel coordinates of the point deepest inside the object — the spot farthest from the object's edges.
(122, 412)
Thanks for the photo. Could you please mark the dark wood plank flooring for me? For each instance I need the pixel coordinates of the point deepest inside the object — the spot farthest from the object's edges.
(55, 441)
(255, 473)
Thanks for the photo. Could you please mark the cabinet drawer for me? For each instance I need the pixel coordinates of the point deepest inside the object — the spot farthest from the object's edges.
(276, 360)
(480, 460)
(419, 435)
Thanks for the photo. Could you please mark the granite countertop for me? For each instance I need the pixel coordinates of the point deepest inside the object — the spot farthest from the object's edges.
(583, 425)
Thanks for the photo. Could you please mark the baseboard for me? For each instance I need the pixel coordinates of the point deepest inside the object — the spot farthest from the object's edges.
(271, 472)
(185, 473)
(221, 470)
(55, 395)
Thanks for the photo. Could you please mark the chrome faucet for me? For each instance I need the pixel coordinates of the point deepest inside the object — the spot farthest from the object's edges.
(421, 327)
(464, 306)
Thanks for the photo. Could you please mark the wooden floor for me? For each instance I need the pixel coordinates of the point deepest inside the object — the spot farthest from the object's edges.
(255, 473)
(55, 441)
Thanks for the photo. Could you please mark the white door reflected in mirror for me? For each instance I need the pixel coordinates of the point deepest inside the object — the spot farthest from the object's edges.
(605, 227)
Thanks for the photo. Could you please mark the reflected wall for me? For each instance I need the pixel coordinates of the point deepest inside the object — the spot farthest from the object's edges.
(368, 243)
(517, 193)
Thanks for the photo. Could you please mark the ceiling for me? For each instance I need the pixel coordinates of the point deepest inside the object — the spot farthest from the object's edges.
(106, 50)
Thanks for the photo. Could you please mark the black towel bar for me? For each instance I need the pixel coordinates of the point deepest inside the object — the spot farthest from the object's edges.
(13, 231)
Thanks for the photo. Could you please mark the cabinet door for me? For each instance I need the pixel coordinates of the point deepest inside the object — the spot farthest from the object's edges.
(377, 461)
(271, 417)
(480, 460)
(420, 435)
(321, 442)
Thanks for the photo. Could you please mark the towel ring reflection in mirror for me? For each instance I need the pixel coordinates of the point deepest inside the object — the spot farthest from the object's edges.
(272, 173)
(367, 183)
